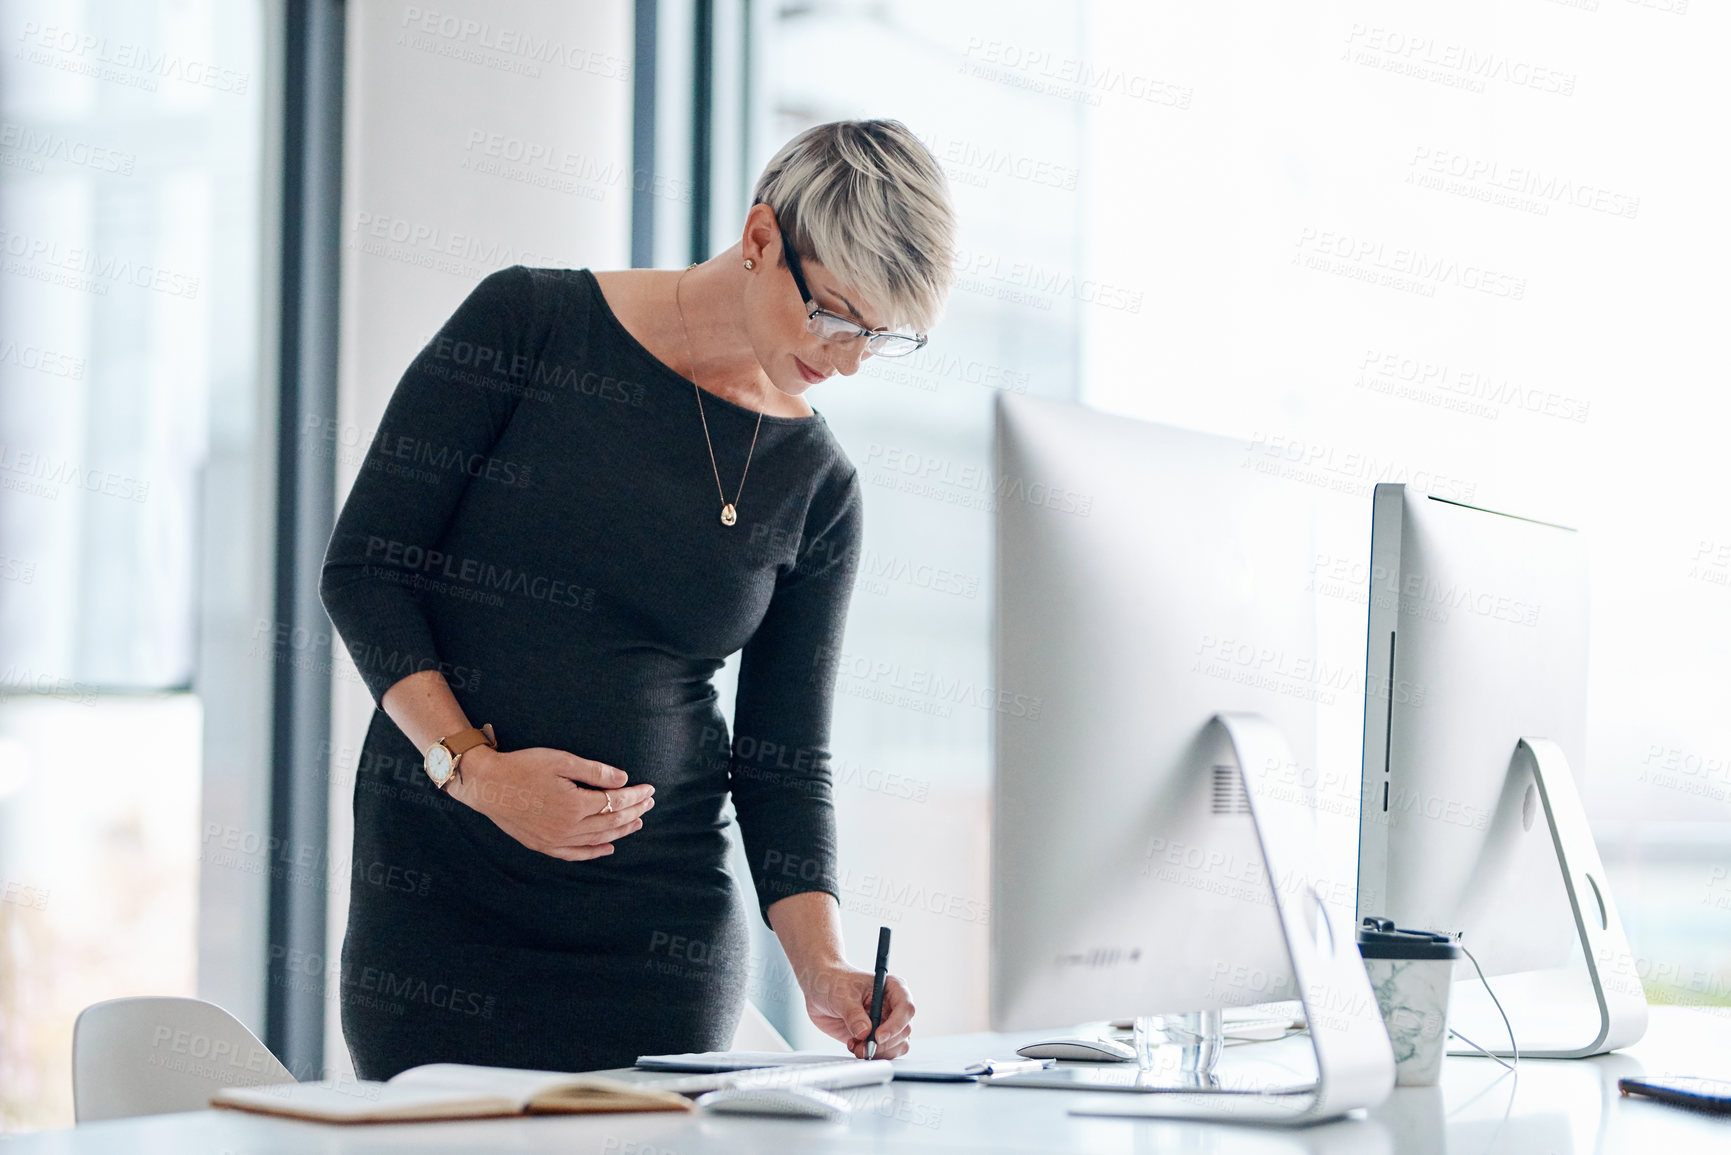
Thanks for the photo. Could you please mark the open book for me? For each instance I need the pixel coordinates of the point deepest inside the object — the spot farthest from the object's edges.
(449, 1091)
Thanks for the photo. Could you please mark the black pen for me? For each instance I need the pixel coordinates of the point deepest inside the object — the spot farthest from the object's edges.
(883, 971)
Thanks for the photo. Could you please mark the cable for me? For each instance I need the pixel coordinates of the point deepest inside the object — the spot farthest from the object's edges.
(1513, 1049)
(1487, 1054)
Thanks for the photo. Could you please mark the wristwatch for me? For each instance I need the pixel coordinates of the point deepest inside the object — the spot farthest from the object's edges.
(446, 755)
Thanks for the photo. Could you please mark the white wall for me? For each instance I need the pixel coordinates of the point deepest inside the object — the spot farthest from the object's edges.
(440, 99)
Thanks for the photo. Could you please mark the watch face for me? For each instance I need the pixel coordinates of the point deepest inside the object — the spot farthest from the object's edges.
(439, 765)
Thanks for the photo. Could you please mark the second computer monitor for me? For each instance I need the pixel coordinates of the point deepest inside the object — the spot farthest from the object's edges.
(1147, 578)
(1477, 639)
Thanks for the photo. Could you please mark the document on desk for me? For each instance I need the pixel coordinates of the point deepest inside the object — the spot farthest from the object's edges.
(909, 1069)
(913, 1070)
(734, 1060)
(832, 1075)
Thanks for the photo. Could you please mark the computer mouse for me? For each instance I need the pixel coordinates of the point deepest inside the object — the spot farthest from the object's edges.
(1257, 1030)
(1083, 1049)
(798, 1102)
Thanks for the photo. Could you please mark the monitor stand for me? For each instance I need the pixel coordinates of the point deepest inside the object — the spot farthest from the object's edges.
(1354, 1063)
(1616, 987)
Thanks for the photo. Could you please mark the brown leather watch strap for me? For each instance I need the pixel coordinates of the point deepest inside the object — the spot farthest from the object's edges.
(464, 741)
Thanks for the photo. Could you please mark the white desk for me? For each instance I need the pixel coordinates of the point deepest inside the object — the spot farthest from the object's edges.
(1556, 1107)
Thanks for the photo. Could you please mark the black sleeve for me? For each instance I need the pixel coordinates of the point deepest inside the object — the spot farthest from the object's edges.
(453, 402)
(779, 770)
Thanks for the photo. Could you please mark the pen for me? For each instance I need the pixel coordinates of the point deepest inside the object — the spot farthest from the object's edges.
(883, 970)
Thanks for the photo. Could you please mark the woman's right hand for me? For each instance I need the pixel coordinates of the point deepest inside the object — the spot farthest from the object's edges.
(537, 796)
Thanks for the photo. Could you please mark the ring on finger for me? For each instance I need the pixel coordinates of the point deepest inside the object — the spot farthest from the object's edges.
(607, 809)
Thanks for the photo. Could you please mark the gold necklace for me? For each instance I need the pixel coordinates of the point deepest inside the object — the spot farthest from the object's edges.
(729, 514)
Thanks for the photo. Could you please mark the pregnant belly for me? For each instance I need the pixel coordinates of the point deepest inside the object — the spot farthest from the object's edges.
(678, 857)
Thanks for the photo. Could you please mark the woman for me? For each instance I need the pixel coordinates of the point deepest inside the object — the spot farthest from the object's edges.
(586, 492)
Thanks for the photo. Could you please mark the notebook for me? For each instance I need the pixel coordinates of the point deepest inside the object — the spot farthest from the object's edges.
(449, 1091)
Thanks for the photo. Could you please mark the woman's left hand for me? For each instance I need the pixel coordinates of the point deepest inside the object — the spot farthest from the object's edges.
(839, 1000)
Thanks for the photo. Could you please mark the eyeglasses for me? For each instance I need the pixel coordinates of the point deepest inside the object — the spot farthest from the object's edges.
(835, 327)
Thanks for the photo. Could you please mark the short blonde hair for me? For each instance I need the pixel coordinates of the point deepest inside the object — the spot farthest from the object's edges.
(868, 201)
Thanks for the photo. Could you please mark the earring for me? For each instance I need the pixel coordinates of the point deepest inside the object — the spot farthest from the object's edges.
(748, 263)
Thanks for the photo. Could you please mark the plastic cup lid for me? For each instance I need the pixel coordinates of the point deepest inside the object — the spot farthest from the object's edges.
(1396, 943)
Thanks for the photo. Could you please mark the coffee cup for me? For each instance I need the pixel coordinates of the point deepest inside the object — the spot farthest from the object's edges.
(1411, 973)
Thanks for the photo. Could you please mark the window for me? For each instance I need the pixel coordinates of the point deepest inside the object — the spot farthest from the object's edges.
(129, 233)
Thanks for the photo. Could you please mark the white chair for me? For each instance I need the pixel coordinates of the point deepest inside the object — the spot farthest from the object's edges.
(154, 1056)
(756, 1033)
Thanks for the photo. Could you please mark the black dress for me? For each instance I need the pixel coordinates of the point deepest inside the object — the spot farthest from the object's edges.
(537, 517)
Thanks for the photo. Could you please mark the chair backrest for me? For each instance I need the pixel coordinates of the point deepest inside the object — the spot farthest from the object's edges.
(757, 1033)
(153, 1056)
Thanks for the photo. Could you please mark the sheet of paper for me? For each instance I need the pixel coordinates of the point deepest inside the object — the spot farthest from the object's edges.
(939, 1072)
(835, 1073)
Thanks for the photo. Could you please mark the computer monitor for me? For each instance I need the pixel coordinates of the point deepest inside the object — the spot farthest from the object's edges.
(1478, 631)
(1476, 658)
(1147, 578)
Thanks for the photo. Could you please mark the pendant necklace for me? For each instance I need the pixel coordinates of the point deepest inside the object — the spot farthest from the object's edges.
(729, 512)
